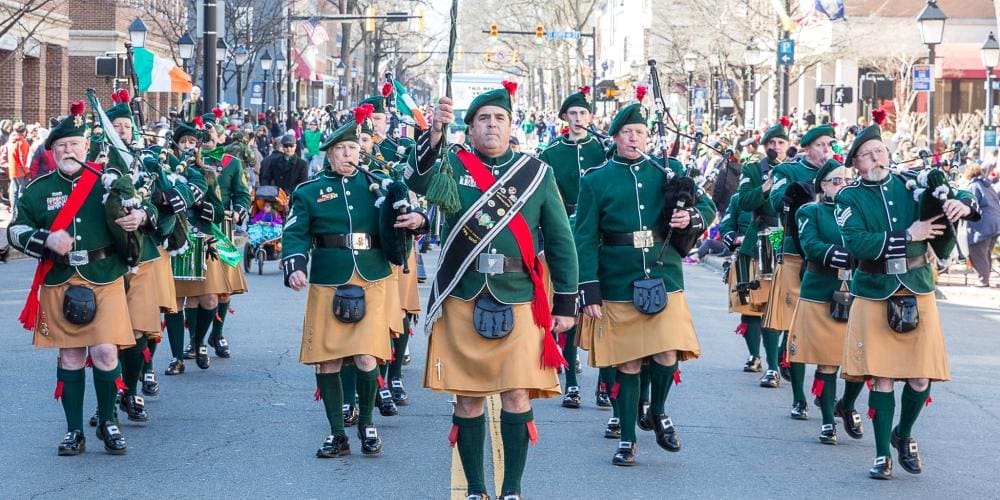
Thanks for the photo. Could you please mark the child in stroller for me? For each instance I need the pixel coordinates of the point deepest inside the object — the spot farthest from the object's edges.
(264, 231)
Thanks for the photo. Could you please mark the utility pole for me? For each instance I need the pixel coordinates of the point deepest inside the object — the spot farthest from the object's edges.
(208, 44)
(785, 69)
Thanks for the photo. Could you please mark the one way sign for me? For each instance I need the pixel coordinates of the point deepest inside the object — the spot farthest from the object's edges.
(786, 52)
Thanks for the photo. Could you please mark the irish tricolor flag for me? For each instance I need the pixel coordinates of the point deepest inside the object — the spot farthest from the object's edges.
(406, 105)
(159, 74)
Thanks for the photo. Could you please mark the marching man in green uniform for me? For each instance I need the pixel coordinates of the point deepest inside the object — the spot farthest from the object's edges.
(570, 156)
(744, 298)
(894, 330)
(631, 278)
(392, 150)
(785, 288)
(489, 319)
(77, 301)
(334, 222)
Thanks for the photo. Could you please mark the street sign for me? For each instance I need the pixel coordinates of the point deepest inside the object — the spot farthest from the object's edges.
(923, 78)
(786, 52)
(220, 19)
(843, 95)
(562, 35)
(257, 92)
(989, 141)
(748, 122)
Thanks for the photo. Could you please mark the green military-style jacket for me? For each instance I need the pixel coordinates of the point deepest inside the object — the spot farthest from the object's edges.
(873, 218)
(569, 159)
(738, 222)
(782, 176)
(755, 201)
(623, 196)
(544, 209)
(234, 194)
(818, 234)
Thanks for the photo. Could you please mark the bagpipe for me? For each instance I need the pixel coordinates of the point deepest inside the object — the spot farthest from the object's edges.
(392, 200)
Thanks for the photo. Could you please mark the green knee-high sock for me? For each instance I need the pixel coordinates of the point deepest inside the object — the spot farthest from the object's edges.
(131, 359)
(399, 350)
(175, 334)
(607, 376)
(191, 318)
(219, 320)
(911, 402)
(349, 381)
(644, 389)
(752, 335)
(74, 384)
(884, 405)
(204, 323)
(471, 445)
(798, 381)
(367, 386)
(771, 340)
(827, 398)
(107, 392)
(662, 377)
(333, 399)
(514, 433)
(569, 352)
(151, 347)
(628, 403)
(851, 392)
(383, 369)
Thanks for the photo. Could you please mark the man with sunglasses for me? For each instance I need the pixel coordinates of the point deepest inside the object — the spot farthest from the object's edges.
(894, 331)
(285, 170)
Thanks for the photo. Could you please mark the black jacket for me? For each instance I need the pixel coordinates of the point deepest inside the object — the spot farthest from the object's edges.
(287, 174)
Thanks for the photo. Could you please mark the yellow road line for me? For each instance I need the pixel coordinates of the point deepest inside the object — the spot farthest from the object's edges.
(458, 484)
(496, 443)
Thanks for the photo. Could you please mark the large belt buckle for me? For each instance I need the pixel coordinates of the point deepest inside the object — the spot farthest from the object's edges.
(360, 241)
(79, 258)
(895, 266)
(642, 239)
(490, 263)
(844, 274)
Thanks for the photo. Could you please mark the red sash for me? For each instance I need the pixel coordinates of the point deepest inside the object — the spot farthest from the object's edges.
(540, 309)
(74, 202)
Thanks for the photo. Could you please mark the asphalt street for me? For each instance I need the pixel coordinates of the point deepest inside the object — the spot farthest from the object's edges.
(248, 426)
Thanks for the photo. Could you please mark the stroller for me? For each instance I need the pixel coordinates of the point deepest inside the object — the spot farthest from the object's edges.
(264, 230)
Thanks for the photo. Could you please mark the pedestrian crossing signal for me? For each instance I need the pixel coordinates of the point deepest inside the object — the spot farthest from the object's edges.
(494, 31)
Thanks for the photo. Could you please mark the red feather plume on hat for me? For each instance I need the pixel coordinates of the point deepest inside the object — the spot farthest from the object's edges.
(198, 122)
(77, 108)
(640, 92)
(386, 89)
(120, 96)
(879, 116)
(585, 90)
(510, 86)
(363, 112)
(564, 131)
(833, 124)
(785, 121)
(217, 112)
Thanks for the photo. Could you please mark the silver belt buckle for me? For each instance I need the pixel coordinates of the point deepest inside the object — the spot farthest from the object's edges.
(844, 274)
(895, 266)
(490, 263)
(360, 241)
(79, 258)
(642, 239)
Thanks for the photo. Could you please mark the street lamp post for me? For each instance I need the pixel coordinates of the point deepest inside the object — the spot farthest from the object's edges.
(185, 48)
(931, 22)
(690, 63)
(240, 56)
(265, 65)
(751, 57)
(137, 39)
(221, 57)
(714, 64)
(990, 54)
(279, 73)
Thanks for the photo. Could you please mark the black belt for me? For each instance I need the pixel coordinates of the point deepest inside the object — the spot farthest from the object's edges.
(623, 239)
(815, 267)
(570, 209)
(84, 257)
(879, 266)
(356, 241)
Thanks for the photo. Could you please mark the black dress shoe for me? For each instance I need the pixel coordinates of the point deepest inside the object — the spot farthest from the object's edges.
(666, 433)
(334, 446)
(201, 358)
(386, 406)
(852, 421)
(350, 415)
(614, 429)
(189, 352)
(114, 441)
(603, 400)
(371, 444)
(73, 443)
(882, 468)
(510, 495)
(135, 408)
(221, 346)
(150, 386)
(800, 410)
(828, 434)
(752, 365)
(625, 456)
(644, 420)
(572, 398)
(907, 453)
(770, 380)
(786, 373)
(482, 495)
(176, 367)
(398, 391)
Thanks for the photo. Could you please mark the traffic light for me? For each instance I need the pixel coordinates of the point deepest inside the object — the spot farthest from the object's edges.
(370, 19)
(539, 34)
(516, 56)
(489, 55)
(494, 31)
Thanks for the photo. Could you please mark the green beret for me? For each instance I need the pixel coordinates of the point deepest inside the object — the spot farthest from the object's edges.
(377, 102)
(347, 132)
(777, 130)
(578, 100)
(496, 97)
(208, 118)
(632, 114)
(869, 133)
(817, 132)
(70, 126)
(191, 129)
(824, 171)
(121, 110)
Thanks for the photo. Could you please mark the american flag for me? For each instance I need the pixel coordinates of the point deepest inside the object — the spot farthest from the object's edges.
(315, 31)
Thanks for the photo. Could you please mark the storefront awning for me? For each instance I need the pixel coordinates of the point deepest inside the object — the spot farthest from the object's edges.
(957, 61)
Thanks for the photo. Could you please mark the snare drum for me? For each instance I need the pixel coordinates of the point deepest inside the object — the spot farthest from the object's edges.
(766, 258)
(190, 265)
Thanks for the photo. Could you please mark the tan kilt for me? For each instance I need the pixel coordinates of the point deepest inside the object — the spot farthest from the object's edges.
(325, 338)
(52, 329)
(874, 349)
(756, 302)
(409, 294)
(625, 334)
(236, 281)
(166, 292)
(393, 306)
(143, 299)
(462, 362)
(784, 294)
(815, 338)
(215, 281)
